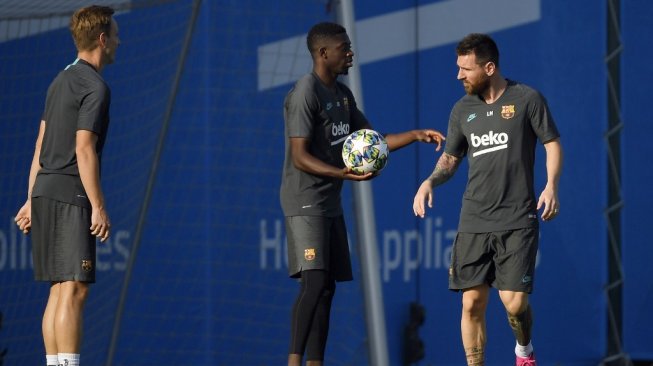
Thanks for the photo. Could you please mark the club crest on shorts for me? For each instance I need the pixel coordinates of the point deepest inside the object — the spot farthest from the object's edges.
(309, 254)
(87, 265)
(508, 111)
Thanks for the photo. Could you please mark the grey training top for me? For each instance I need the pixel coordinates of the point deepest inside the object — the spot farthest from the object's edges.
(326, 118)
(77, 99)
(499, 141)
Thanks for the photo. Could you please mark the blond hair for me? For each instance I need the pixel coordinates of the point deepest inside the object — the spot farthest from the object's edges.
(88, 23)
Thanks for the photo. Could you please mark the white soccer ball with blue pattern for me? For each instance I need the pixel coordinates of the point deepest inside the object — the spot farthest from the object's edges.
(365, 151)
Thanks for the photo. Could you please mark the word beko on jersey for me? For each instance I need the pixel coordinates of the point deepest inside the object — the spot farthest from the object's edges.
(339, 130)
(494, 141)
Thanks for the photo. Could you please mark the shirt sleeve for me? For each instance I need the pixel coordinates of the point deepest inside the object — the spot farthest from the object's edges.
(456, 142)
(541, 119)
(299, 109)
(94, 109)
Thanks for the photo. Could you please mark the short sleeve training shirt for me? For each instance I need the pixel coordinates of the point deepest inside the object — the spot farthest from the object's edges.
(499, 140)
(325, 117)
(77, 99)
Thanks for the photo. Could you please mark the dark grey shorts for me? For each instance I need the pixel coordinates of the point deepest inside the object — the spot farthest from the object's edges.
(63, 248)
(316, 242)
(504, 260)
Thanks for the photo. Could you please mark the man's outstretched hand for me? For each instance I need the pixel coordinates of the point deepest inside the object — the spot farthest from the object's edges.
(431, 137)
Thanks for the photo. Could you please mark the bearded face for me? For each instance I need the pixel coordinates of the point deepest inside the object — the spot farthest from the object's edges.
(478, 86)
(473, 76)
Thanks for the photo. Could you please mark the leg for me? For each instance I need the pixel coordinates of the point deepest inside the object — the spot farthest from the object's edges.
(313, 285)
(472, 324)
(516, 257)
(339, 269)
(519, 315)
(42, 232)
(317, 337)
(47, 326)
(68, 316)
(294, 359)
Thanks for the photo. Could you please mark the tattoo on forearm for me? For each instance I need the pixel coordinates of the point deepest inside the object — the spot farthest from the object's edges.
(444, 169)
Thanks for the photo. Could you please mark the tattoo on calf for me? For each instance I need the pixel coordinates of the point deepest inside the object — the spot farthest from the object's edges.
(475, 356)
(521, 326)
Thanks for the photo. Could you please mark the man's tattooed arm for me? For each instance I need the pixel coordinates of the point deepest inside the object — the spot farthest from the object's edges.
(444, 169)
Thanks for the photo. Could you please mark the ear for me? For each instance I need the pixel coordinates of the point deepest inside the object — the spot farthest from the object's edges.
(322, 51)
(490, 68)
(102, 40)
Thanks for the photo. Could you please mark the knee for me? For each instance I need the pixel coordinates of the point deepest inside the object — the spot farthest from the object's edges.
(80, 291)
(76, 292)
(516, 307)
(329, 289)
(474, 305)
(317, 283)
(54, 290)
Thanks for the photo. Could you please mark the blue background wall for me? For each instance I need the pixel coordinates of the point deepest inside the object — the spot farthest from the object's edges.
(208, 283)
(638, 287)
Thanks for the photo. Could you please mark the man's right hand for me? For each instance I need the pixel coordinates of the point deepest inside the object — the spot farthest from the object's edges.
(100, 224)
(424, 193)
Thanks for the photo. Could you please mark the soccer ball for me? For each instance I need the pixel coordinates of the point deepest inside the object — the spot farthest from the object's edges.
(365, 151)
